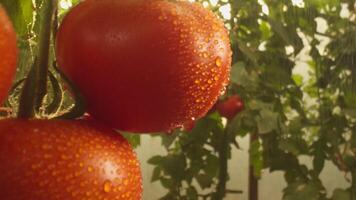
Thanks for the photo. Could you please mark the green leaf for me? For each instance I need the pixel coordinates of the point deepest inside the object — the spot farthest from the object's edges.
(249, 52)
(319, 158)
(289, 36)
(298, 79)
(155, 160)
(350, 112)
(324, 3)
(240, 76)
(204, 180)
(259, 105)
(167, 140)
(265, 29)
(174, 165)
(156, 175)
(134, 139)
(340, 194)
(294, 146)
(256, 157)
(267, 121)
(167, 183)
(169, 196)
(278, 75)
(192, 193)
(350, 98)
(212, 165)
(281, 161)
(21, 14)
(301, 191)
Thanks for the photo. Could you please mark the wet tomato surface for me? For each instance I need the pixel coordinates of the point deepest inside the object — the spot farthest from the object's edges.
(145, 65)
(8, 54)
(62, 160)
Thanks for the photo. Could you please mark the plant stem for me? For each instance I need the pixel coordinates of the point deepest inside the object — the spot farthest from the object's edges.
(353, 186)
(223, 160)
(253, 181)
(35, 87)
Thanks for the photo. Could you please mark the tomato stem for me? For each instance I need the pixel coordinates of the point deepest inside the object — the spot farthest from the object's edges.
(35, 87)
(353, 186)
(223, 171)
(253, 179)
(79, 107)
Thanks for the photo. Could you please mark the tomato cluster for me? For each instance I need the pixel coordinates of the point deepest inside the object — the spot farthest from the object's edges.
(142, 66)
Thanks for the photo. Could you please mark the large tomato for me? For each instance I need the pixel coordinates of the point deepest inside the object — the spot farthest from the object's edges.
(8, 54)
(145, 65)
(63, 160)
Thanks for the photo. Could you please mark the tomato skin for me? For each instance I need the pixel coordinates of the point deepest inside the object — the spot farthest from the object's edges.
(58, 160)
(8, 54)
(230, 107)
(145, 65)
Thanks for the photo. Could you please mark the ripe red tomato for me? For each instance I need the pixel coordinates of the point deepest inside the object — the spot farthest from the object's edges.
(8, 54)
(145, 65)
(230, 107)
(64, 160)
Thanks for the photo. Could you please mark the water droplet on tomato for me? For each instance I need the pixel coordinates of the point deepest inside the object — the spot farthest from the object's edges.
(90, 169)
(223, 91)
(87, 193)
(218, 62)
(46, 156)
(126, 182)
(107, 186)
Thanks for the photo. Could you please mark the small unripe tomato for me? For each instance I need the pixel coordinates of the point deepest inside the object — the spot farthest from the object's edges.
(230, 107)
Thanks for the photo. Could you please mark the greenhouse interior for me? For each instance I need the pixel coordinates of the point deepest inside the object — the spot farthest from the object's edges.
(178, 99)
